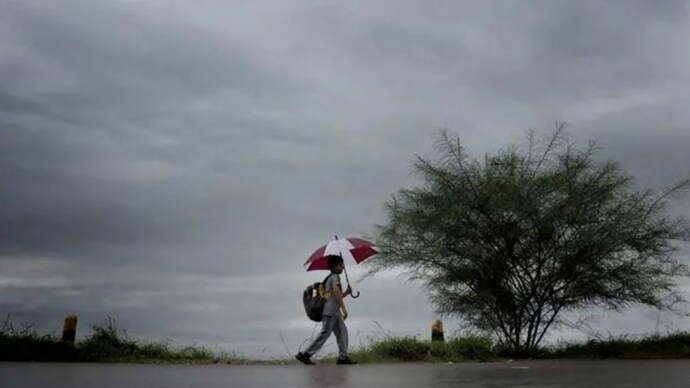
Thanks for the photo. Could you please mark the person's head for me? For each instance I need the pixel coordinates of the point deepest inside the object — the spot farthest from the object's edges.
(335, 263)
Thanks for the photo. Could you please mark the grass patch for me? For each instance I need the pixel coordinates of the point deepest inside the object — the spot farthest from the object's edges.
(109, 344)
(26, 344)
(479, 348)
(410, 349)
(656, 346)
(106, 344)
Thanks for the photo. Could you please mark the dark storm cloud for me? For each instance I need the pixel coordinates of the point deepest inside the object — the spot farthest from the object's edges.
(168, 164)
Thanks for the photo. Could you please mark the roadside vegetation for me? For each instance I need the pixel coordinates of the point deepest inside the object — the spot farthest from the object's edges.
(110, 344)
(106, 344)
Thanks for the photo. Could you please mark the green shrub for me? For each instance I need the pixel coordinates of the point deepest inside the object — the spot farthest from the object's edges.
(672, 345)
(472, 346)
(107, 343)
(402, 348)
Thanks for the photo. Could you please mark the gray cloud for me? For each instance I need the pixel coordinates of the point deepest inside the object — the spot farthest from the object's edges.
(165, 163)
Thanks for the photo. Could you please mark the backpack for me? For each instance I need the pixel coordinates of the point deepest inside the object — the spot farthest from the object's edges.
(314, 299)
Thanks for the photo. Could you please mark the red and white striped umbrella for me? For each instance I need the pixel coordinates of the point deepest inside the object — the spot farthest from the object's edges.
(354, 248)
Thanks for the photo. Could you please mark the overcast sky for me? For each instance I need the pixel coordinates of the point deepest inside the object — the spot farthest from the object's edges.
(172, 164)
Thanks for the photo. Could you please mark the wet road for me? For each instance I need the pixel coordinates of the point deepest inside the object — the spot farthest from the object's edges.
(552, 374)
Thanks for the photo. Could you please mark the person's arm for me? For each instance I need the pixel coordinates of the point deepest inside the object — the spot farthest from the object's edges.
(338, 291)
(348, 291)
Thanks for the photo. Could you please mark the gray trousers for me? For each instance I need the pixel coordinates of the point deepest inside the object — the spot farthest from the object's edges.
(331, 324)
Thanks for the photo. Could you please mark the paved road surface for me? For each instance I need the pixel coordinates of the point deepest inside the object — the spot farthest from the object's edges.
(537, 374)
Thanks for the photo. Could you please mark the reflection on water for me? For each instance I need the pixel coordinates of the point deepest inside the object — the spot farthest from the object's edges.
(329, 376)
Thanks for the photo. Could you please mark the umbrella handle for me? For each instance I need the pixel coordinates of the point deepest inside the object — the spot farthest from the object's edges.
(348, 281)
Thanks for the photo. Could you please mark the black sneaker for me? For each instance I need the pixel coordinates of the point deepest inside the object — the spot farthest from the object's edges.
(304, 358)
(346, 361)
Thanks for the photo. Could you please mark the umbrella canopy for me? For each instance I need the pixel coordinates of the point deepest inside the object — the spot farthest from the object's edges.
(356, 249)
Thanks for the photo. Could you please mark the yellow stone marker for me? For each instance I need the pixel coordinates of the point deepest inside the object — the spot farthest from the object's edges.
(69, 330)
(437, 330)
